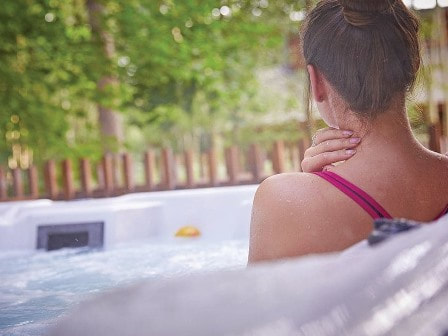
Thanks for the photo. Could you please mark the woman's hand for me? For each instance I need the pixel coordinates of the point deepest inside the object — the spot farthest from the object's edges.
(329, 146)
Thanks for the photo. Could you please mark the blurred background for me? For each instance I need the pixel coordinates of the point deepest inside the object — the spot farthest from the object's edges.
(80, 78)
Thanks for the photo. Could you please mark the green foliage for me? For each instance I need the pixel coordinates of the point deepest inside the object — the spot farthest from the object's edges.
(184, 71)
(195, 69)
(47, 73)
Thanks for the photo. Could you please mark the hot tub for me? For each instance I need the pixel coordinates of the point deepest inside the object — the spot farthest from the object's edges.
(138, 242)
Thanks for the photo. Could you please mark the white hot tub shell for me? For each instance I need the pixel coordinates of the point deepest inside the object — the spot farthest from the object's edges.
(219, 213)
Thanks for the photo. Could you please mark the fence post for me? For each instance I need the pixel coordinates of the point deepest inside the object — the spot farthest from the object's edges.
(108, 174)
(17, 182)
(148, 161)
(3, 184)
(128, 172)
(188, 157)
(115, 170)
(202, 167)
(434, 137)
(67, 178)
(212, 167)
(302, 149)
(443, 144)
(99, 167)
(256, 162)
(278, 156)
(293, 158)
(232, 165)
(86, 177)
(32, 180)
(50, 179)
(306, 143)
(168, 168)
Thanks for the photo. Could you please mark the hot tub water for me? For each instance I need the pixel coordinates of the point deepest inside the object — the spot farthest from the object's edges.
(37, 287)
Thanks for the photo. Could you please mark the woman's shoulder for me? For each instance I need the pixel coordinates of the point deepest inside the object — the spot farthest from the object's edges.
(298, 214)
(289, 193)
(290, 184)
(287, 217)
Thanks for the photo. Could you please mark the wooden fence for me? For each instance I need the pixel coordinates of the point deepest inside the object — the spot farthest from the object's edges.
(158, 170)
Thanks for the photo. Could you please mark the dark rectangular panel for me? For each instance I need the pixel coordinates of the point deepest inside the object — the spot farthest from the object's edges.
(53, 237)
(57, 241)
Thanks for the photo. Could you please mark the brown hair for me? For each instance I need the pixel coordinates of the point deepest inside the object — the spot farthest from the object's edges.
(367, 49)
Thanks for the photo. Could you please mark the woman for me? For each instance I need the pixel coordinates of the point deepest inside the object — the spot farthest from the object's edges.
(362, 57)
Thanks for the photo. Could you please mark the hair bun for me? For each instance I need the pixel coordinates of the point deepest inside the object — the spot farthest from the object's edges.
(362, 13)
(367, 5)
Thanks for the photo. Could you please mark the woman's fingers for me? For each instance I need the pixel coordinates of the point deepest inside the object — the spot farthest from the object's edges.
(319, 161)
(331, 146)
(325, 134)
(327, 167)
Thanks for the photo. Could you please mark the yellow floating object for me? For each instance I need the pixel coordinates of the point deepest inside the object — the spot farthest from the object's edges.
(188, 231)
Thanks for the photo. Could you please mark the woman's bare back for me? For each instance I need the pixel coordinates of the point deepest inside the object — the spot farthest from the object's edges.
(298, 214)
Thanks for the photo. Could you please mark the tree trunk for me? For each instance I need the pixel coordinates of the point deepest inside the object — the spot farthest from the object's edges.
(431, 52)
(111, 122)
(443, 45)
(309, 130)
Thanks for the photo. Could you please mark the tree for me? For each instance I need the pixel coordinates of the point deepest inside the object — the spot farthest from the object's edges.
(48, 71)
(182, 70)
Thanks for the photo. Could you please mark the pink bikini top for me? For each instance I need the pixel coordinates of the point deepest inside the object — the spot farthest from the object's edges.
(364, 200)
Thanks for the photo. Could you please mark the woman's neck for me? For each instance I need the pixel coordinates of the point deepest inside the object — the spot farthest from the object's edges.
(386, 142)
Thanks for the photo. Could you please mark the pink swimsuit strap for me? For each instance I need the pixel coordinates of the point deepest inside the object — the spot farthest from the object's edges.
(364, 200)
(443, 213)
